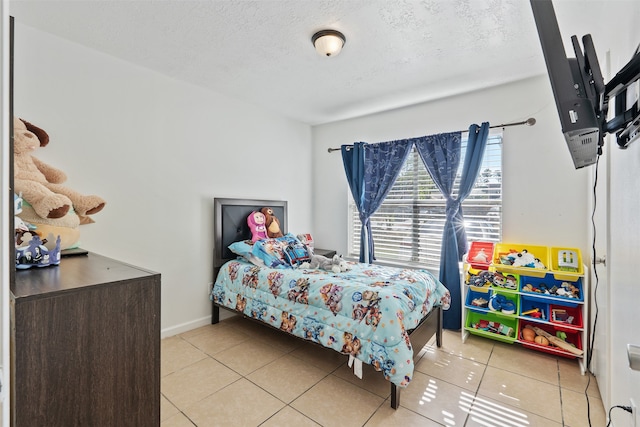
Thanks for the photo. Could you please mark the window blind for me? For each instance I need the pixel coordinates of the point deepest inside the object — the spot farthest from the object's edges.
(408, 226)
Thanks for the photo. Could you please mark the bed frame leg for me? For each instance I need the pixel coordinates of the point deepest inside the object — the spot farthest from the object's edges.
(395, 391)
(215, 314)
(439, 328)
(395, 396)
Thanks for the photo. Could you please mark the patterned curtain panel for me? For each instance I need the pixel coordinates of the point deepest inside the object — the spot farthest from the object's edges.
(371, 170)
(441, 156)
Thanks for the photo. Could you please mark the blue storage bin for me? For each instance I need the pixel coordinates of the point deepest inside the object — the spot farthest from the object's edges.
(474, 294)
(570, 293)
(527, 304)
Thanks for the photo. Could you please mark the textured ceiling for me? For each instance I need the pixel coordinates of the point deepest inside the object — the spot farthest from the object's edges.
(397, 53)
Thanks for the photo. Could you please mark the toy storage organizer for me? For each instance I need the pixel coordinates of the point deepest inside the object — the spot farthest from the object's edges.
(501, 300)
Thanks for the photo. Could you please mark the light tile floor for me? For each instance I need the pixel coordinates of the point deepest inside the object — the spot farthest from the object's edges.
(240, 373)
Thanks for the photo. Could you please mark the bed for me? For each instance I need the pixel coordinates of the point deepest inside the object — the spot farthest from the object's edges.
(372, 313)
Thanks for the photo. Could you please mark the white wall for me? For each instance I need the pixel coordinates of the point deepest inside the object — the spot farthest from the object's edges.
(544, 197)
(158, 150)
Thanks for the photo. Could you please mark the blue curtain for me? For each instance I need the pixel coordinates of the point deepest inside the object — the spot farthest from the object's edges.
(441, 156)
(371, 170)
(474, 154)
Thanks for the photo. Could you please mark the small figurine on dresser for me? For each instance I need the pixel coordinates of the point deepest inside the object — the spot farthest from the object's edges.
(31, 250)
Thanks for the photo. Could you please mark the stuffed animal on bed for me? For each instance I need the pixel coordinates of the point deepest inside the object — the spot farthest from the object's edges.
(41, 184)
(272, 223)
(323, 263)
(256, 221)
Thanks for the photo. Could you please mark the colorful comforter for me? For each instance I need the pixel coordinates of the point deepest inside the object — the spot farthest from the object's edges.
(365, 312)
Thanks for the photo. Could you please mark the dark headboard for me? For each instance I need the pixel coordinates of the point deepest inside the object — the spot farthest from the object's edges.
(230, 223)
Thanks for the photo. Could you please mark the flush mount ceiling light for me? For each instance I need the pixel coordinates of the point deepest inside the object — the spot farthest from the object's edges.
(328, 42)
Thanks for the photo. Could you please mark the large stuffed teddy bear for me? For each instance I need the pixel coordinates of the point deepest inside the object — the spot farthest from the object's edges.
(41, 184)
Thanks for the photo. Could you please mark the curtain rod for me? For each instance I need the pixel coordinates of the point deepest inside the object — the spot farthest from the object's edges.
(529, 122)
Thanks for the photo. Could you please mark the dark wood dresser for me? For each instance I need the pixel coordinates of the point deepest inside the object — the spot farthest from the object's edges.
(85, 345)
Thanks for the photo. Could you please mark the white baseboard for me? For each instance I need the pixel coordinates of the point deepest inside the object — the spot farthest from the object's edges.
(184, 327)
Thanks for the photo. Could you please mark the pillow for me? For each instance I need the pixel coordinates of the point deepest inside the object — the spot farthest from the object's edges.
(243, 249)
(271, 252)
(282, 252)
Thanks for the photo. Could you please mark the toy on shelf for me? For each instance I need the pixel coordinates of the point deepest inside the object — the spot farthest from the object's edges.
(494, 327)
(531, 295)
(498, 279)
(479, 278)
(521, 259)
(501, 303)
(480, 302)
(480, 254)
(566, 289)
(567, 260)
(561, 315)
(511, 282)
(535, 312)
(481, 257)
(528, 334)
(507, 281)
(553, 340)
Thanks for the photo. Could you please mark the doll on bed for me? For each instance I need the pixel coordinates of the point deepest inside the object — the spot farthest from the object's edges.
(256, 221)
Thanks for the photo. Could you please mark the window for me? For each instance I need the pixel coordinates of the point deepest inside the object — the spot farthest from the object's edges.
(408, 226)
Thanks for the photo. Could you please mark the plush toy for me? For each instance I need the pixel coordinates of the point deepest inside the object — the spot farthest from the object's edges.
(272, 223)
(344, 265)
(323, 263)
(28, 224)
(525, 259)
(256, 221)
(67, 227)
(41, 184)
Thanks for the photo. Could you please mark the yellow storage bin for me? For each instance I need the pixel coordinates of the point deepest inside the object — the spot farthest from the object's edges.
(566, 263)
(517, 258)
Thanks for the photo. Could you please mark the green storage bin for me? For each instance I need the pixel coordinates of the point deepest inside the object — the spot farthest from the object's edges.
(489, 325)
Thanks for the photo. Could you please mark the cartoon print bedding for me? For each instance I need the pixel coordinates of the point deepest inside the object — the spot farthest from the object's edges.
(365, 312)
